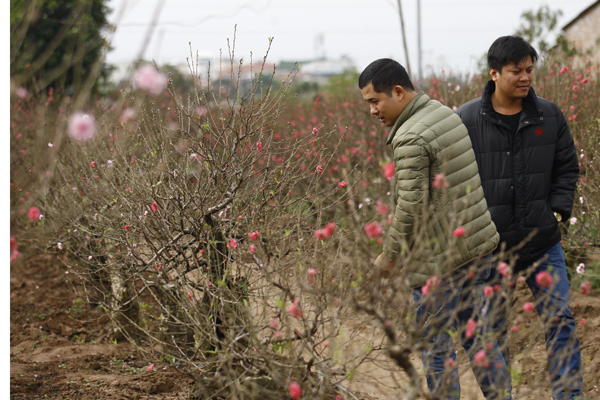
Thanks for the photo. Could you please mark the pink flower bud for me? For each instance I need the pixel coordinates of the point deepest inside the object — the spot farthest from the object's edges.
(528, 307)
(458, 232)
(295, 390)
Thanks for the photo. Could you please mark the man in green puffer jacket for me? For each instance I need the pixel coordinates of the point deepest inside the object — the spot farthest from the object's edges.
(441, 227)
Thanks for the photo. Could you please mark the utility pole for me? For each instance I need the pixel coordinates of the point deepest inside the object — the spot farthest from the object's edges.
(419, 49)
(403, 36)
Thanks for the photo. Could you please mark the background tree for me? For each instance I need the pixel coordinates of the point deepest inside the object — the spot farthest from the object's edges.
(536, 26)
(57, 43)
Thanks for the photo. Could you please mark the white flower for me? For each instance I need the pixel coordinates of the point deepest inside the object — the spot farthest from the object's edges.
(581, 199)
(581, 268)
(573, 221)
(59, 245)
(50, 145)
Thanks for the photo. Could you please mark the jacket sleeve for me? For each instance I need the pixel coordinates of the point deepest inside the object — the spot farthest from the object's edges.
(565, 170)
(412, 163)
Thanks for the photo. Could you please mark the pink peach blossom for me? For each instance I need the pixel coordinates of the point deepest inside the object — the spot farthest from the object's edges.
(440, 182)
(504, 269)
(470, 330)
(149, 79)
(488, 291)
(388, 170)
(480, 359)
(81, 127)
(33, 213)
(295, 310)
(544, 279)
(373, 229)
(382, 208)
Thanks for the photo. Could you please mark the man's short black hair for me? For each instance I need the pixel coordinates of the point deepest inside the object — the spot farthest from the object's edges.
(384, 74)
(509, 49)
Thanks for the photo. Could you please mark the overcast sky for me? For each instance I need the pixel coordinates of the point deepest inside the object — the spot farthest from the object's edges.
(455, 33)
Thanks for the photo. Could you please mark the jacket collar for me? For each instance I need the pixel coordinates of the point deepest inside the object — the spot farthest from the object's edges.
(415, 104)
(531, 106)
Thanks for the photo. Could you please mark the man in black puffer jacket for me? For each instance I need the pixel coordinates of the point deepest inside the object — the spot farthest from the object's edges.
(529, 169)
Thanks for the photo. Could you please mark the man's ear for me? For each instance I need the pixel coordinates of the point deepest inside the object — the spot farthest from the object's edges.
(494, 74)
(399, 92)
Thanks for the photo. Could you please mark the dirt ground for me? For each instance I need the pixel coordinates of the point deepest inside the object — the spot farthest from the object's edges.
(60, 348)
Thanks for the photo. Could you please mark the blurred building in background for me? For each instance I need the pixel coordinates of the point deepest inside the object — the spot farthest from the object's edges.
(583, 33)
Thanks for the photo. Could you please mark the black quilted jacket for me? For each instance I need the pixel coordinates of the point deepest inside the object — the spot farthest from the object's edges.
(526, 176)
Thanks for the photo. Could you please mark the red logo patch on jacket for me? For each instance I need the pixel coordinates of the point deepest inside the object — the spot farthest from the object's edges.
(538, 132)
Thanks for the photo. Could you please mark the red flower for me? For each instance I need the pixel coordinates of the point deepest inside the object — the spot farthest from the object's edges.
(232, 244)
(388, 170)
(373, 230)
(259, 145)
(254, 235)
(544, 279)
(319, 169)
(342, 184)
(154, 206)
(326, 231)
(93, 163)
(252, 248)
(528, 307)
(127, 227)
(33, 213)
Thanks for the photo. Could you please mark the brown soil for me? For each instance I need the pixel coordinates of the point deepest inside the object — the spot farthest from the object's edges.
(60, 348)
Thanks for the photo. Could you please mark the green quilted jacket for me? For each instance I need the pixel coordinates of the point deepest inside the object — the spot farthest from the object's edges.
(429, 139)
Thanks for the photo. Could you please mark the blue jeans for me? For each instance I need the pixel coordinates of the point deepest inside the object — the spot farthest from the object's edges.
(449, 307)
(552, 305)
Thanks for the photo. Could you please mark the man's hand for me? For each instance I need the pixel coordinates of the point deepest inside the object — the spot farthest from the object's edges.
(383, 265)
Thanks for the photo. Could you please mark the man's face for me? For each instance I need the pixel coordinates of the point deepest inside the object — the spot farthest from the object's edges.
(386, 108)
(514, 81)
